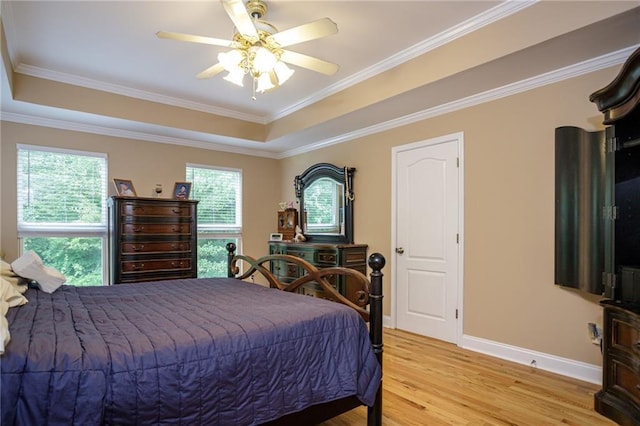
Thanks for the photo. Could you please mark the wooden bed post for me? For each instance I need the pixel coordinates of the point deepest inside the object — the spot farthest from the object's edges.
(376, 263)
(231, 251)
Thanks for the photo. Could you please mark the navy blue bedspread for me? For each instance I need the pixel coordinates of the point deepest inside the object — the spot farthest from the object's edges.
(202, 351)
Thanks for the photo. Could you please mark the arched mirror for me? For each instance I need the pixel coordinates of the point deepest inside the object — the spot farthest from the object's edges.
(325, 193)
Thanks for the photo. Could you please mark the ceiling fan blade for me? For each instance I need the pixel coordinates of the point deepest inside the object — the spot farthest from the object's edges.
(211, 71)
(237, 11)
(194, 38)
(310, 31)
(309, 62)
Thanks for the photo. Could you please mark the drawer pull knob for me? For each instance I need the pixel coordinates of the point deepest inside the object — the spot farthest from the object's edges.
(175, 229)
(138, 228)
(138, 248)
(175, 211)
(139, 266)
(176, 264)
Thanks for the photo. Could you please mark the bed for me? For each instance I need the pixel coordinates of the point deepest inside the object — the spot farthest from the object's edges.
(196, 351)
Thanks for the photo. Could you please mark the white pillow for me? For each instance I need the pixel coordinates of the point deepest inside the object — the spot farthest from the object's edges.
(30, 266)
(9, 297)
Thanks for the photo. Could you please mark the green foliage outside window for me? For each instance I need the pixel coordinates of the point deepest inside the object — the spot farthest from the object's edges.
(78, 259)
(218, 193)
(212, 257)
(60, 188)
(62, 211)
(219, 215)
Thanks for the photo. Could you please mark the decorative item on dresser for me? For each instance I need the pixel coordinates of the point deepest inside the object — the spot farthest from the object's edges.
(619, 101)
(320, 255)
(287, 222)
(151, 239)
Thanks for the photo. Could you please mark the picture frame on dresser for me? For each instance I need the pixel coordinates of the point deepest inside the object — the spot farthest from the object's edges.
(182, 190)
(124, 187)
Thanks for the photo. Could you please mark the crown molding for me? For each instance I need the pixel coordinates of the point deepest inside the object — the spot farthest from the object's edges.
(585, 67)
(481, 20)
(571, 71)
(130, 134)
(484, 19)
(134, 93)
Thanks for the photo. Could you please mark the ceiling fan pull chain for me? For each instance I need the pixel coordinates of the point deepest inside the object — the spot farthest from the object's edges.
(255, 83)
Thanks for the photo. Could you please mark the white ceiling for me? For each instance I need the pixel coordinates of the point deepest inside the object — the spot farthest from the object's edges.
(112, 46)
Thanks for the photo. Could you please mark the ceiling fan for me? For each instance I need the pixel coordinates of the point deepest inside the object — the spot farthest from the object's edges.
(258, 47)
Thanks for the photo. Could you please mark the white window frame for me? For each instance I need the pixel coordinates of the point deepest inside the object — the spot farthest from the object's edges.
(222, 232)
(64, 230)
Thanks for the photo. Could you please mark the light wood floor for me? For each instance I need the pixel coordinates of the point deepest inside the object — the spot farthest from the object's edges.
(429, 382)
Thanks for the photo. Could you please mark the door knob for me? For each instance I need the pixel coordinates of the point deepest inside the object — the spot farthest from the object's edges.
(399, 250)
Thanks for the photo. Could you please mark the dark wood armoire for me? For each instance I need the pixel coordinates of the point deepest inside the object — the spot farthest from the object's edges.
(619, 101)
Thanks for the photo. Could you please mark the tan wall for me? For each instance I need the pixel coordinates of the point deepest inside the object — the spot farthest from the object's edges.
(509, 291)
(509, 295)
(145, 163)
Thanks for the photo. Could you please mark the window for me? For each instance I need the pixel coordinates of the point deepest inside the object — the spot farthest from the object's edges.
(323, 205)
(62, 210)
(219, 191)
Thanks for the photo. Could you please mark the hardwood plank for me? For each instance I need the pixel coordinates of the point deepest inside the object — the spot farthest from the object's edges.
(430, 382)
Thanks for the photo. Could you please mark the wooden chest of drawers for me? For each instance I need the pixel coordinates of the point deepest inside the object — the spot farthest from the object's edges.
(151, 239)
(321, 255)
(619, 398)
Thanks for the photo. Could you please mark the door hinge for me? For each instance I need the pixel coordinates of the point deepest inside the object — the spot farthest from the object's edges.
(610, 212)
(609, 280)
(612, 144)
(456, 314)
(458, 162)
(457, 238)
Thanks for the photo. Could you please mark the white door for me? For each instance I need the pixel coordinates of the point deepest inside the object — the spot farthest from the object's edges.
(427, 237)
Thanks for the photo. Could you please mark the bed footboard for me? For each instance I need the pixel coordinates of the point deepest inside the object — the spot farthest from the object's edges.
(369, 294)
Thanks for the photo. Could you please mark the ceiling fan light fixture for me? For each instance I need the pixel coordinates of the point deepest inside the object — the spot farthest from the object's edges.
(264, 83)
(235, 76)
(257, 47)
(283, 72)
(263, 59)
(231, 60)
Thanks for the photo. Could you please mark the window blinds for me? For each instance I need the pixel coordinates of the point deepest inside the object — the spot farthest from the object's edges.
(220, 194)
(61, 190)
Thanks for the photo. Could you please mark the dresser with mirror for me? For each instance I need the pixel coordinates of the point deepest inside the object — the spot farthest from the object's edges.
(325, 199)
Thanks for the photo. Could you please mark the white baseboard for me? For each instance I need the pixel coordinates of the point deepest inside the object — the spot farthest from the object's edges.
(386, 322)
(555, 364)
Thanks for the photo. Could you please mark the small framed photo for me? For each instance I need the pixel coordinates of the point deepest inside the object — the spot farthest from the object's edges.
(275, 237)
(124, 187)
(182, 190)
